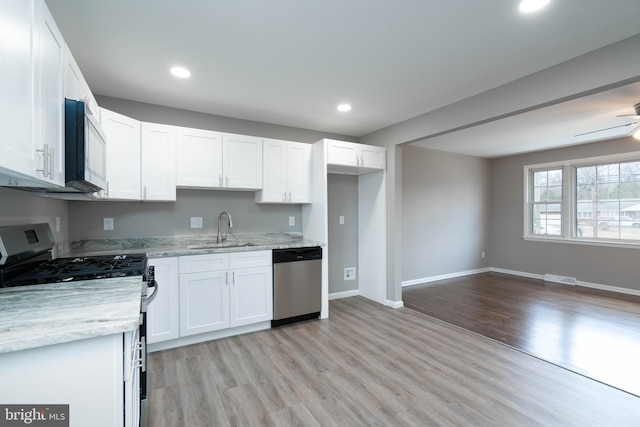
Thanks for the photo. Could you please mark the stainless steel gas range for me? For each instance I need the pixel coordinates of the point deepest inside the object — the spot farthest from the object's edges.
(26, 260)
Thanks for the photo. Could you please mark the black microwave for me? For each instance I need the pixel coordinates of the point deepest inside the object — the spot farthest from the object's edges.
(85, 149)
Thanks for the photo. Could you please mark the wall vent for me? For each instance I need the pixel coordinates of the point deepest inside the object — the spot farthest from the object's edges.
(560, 279)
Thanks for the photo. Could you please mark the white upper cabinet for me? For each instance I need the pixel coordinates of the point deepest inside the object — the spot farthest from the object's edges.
(354, 159)
(158, 162)
(123, 156)
(76, 86)
(199, 158)
(286, 168)
(242, 161)
(208, 159)
(50, 65)
(32, 57)
(17, 152)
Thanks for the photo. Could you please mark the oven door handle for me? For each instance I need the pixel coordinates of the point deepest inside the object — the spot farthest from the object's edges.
(155, 288)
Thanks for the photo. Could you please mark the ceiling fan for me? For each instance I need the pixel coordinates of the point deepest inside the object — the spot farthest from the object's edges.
(635, 131)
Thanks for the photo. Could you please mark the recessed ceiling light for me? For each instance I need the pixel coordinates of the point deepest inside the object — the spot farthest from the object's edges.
(180, 72)
(528, 6)
(344, 107)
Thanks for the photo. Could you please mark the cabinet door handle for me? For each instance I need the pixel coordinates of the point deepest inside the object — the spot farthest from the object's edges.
(284, 196)
(144, 193)
(289, 195)
(220, 180)
(51, 162)
(233, 277)
(45, 160)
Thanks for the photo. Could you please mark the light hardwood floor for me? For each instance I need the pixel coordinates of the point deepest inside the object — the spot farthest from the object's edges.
(371, 365)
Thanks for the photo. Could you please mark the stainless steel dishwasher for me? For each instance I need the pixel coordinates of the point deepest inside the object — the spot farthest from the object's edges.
(297, 285)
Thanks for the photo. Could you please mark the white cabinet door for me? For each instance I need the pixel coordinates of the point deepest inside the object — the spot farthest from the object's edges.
(50, 65)
(251, 298)
(242, 164)
(342, 153)
(286, 168)
(123, 155)
(298, 170)
(158, 162)
(199, 156)
(274, 182)
(76, 86)
(204, 302)
(17, 152)
(162, 312)
(372, 157)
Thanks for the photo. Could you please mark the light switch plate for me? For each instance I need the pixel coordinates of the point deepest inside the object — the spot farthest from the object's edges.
(292, 221)
(196, 222)
(107, 224)
(341, 219)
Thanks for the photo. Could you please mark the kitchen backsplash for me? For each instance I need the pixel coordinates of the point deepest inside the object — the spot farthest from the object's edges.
(145, 219)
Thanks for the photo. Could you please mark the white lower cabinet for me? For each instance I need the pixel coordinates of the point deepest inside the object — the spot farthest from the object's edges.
(212, 293)
(89, 375)
(163, 311)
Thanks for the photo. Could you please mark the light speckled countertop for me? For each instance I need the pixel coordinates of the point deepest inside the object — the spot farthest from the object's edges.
(169, 246)
(40, 315)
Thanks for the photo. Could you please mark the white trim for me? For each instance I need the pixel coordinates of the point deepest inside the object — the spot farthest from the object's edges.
(443, 277)
(208, 336)
(394, 304)
(585, 242)
(609, 288)
(344, 294)
(517, 273)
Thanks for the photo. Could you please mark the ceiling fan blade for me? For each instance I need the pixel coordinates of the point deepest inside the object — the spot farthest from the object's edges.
(631, 116)
(603, 129)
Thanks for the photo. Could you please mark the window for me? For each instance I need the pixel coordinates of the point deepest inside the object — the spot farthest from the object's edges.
(590, 200)
(546, 206)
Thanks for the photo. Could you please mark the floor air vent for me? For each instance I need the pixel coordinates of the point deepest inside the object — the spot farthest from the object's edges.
(560, 279)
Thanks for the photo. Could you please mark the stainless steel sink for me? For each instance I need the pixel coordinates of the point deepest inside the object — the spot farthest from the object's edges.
(213, 245)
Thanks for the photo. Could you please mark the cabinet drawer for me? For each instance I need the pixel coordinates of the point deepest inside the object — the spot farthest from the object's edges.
(201, 263)
(250, 259)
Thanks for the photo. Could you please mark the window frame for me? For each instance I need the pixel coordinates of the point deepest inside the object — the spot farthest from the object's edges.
(569, 204)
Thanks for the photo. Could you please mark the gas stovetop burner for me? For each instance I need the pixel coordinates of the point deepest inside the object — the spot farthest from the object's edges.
(83, 268)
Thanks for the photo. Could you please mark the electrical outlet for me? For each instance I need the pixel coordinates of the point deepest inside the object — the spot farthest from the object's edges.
(341, 219)
(292, 221)
(107, 224)
(350, 273)
(196, 222)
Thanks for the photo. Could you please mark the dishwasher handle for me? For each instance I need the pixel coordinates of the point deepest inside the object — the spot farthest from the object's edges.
(296, 254)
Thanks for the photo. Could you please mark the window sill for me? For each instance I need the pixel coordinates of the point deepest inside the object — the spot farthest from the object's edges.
(584, 242)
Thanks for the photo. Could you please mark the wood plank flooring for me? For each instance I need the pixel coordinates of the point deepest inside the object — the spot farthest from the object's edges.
(369, 365)
(594, 333)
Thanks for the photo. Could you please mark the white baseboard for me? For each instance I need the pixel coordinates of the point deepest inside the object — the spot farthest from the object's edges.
(443, 277)
(394, 304)
(344, 294)
(599, 286)
(517, 273)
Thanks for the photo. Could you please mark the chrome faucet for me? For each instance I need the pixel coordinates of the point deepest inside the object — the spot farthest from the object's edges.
(221, 237)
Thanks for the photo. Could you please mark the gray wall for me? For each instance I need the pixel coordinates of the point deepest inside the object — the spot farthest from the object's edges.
(137, 219)
(343, 239)
(594, 264)
(173, 116)
(20, 207)
(445, 213)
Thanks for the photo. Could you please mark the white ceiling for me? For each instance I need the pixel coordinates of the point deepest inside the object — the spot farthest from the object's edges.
(290, 62)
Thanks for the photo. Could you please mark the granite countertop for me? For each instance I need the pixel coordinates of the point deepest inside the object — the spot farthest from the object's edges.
(40, 315)
(170, 246)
